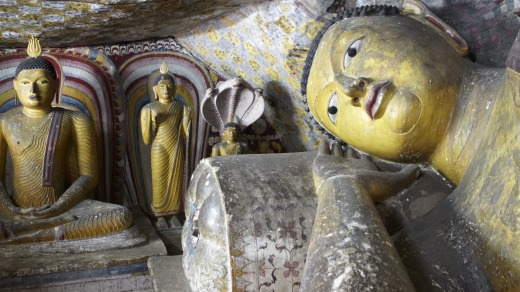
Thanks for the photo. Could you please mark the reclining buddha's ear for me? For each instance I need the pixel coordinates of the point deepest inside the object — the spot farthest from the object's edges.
(419, 11)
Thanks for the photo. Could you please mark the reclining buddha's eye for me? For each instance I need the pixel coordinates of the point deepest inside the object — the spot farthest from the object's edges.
(332, 108)
(351, 52)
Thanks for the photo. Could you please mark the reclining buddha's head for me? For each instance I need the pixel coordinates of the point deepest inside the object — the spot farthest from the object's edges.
(385, 85)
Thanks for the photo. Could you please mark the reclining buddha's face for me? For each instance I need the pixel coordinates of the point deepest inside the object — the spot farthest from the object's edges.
(385, 85)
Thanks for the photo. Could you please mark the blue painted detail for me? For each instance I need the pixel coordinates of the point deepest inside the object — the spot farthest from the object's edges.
(75, 103)
(9, 105)
(93, 55)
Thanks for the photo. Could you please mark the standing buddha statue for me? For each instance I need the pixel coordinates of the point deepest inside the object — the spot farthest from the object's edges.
(165, 124)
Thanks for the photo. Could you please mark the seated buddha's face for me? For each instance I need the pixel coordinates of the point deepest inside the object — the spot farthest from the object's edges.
(385, 85)
(230, 134)
(35, 88)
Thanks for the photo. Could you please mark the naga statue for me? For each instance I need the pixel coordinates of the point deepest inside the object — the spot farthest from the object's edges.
(231, 107)
(165, 124)
(394, 84)
(54, 158)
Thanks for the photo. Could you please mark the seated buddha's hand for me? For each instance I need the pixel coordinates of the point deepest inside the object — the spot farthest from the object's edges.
(44, 207)
(31, 212)
(45, 211)
(24, 211)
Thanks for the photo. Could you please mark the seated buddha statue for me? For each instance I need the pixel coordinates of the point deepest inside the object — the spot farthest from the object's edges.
(228, 144)
(55, 168)
(231, 107)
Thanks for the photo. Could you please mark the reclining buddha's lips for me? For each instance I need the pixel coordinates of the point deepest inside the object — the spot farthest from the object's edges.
(375, 98)
(33, 97)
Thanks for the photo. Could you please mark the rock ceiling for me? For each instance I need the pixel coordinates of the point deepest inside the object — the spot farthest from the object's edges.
(89, 22)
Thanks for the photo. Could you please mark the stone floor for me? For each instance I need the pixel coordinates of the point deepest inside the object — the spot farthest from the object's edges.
(130, 282)
(167, 274)
(164, 274)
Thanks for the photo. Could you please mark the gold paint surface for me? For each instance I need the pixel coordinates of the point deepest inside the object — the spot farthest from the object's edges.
(411, 61)
(34, 3)
(285, 24)
(253, 51)
(44, 190)
(165, 125)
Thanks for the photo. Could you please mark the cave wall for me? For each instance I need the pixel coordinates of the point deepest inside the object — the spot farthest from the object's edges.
(258, 42)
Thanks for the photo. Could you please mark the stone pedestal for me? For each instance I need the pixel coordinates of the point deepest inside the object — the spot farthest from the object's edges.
(167, 274)
(68, 263)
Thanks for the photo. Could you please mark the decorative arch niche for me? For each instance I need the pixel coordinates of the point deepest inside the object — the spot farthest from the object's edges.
(139, 71)
(89, 83)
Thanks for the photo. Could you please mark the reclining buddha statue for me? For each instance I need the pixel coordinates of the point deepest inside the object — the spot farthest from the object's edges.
(53, 152)
(396, 84)
(400, 88)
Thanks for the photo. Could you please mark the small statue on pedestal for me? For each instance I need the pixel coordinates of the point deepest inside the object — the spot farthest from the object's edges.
(228, 144)
(236, 103)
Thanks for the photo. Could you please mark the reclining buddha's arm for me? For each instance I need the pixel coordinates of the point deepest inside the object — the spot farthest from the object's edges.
(349, 240)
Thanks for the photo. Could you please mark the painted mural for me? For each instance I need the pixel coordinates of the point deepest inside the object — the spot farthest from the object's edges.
(139, 71)
(111, 84)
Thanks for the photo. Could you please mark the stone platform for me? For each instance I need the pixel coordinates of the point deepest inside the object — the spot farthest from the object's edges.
(116, 279)
(167, 274)
(56, 270)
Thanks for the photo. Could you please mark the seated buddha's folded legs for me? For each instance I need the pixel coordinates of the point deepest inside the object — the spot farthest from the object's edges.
(115, 220)
(87, 220)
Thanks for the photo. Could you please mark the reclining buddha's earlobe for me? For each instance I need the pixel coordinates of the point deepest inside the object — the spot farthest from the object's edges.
(419, 11)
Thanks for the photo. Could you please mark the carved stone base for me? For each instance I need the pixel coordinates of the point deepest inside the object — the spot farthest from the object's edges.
(167, 274)
(248, 220)
(131, 247)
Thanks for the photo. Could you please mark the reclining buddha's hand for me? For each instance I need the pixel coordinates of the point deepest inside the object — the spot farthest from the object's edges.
(334, 162)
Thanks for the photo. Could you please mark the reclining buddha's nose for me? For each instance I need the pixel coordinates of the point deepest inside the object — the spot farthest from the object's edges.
(353, 87)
